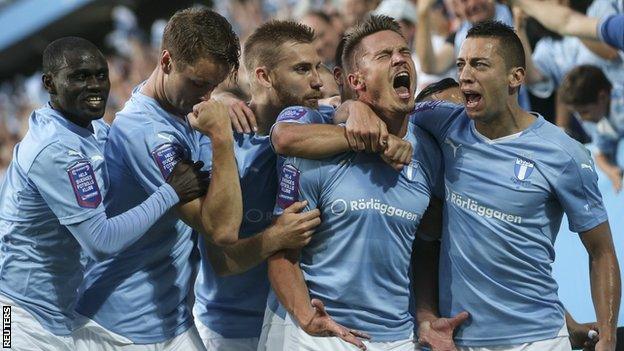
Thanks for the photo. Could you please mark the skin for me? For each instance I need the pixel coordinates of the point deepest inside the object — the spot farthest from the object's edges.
(182, 90)
(482, 70)
(84, 75)
(296, 71)
(382, 56)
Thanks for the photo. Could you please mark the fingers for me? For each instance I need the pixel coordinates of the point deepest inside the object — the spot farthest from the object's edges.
(250, 117)
(374, 141)
(318, 306)
(235, 123)
(242, 120)
(383, 135)
(296, 207)
(310, 215)
(359, 334)
(459, 319)
(351, 140)
(352, 339)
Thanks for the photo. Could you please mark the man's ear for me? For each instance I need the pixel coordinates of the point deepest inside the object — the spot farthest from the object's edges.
(516, 78)
(338, 75)
(262, 76)
(165, 62)
(356, 81)
(48, 83)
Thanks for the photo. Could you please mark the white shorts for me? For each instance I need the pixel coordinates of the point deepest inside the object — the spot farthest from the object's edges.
(558, 343)
(27, 334)
(295, 339)
(215, 342)
(272, 335)
(91, 336)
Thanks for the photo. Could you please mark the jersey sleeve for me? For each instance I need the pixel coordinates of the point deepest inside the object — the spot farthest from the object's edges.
(299, 180)
(152, 155)
(435, 117)
(611, 30)
(605, 142)
(578, 193)
(69, 183)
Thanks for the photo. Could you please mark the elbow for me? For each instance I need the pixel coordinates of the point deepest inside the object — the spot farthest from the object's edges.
(282, 139)
(226, 236)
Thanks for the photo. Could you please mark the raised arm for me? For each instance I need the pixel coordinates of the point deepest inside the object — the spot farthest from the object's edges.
(605, 282)
(218, 214)
(430, 62)
(559, 18)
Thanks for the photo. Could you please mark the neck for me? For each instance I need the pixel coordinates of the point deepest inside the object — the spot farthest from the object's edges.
(265, 112)
(510, 121)
(155, 88)
(75, 120)
(395, 122)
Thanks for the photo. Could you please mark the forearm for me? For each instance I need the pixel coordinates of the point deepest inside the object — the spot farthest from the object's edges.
(289, 286)
(425, 269)
(559, 18)
(244, 254)
(312, 141)
(222, 208)
(605, 289)
(605, 162)
(534, 75)
(102, 237)
(424, 48)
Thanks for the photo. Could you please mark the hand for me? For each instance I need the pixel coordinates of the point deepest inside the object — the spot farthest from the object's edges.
(294, 229)
(398, 152)
(364, 130)
(615, 175)
(242, 117)
(321, 324)
(211, 118)
(578, 335)
(188, 180)
(437, 334)
(333, 101)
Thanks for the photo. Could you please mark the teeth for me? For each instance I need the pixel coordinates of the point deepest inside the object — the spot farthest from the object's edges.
(94, 99)
(402, 74)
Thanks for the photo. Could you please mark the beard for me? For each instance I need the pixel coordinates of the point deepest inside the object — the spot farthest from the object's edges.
(287, 99)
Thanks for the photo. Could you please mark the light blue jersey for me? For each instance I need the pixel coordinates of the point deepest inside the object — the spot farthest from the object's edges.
(358, 260)
(142, 292)
(504, 202)
(57, 177)
(300, 115)
(234, 306)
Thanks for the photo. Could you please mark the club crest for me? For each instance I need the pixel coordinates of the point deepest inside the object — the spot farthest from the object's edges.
(523, 168)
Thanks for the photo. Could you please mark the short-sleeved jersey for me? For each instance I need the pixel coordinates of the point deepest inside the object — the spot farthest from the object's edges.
(358, 259)
(611, 30)
(57, 177)
(141, 293)
(233, 306)
(504, 202)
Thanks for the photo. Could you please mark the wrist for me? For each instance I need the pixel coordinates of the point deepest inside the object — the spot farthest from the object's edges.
(221, 139)
(272, 238)
(303, 316)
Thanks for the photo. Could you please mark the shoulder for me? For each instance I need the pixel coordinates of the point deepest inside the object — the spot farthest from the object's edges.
(559, 147)
(298, 114)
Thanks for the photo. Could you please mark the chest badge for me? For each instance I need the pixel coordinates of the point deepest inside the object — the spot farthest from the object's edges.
(523, 168)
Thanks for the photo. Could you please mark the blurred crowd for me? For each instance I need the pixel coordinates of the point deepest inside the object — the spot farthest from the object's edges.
(435, 29)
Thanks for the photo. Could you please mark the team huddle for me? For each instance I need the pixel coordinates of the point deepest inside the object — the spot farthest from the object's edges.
(373, 223)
